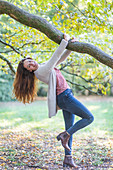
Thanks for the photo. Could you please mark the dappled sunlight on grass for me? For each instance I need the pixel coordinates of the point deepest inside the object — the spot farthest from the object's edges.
(35, 116)
(7, 114)
(5, 123)
(104, 110)
(92, 107)
(51, 124)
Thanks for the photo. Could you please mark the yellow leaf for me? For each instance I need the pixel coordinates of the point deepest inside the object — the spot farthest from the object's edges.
(7, 46)
(7, 41)
(3, 158)
(2, 164)
(62, 16)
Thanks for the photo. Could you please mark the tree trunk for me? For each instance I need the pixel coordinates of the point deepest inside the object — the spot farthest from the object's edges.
(51, 32)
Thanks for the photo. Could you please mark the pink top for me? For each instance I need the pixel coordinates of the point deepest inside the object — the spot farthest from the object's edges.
(61, 82)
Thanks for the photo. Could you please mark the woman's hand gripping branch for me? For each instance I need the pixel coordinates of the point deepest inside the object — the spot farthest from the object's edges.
(67, 38)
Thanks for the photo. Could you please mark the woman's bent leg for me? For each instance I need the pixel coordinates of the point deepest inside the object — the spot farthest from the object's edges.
(66, 101)
(69, 121)
(77, 108)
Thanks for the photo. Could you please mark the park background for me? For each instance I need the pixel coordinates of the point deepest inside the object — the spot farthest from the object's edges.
(27, 134)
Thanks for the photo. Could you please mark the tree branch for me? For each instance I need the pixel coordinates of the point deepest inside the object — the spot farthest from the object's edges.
(88, 81)
(31, 43)
(69, 63)
(84, 87)
(74, 74)
(77, 9)
(52, 33)
(11, 47)
(9, 63)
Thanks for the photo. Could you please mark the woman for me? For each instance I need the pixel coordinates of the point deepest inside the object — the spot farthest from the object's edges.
(59, 94)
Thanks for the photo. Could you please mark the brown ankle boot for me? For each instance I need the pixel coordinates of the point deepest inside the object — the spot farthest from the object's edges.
(68, 161)
(64, 137)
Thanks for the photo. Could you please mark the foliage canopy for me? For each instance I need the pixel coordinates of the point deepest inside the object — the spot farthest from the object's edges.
(90, 21)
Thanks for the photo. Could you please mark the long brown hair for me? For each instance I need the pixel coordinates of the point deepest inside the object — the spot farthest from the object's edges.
(24, 84)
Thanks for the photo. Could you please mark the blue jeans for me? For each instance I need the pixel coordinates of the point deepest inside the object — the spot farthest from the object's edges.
(71, 107)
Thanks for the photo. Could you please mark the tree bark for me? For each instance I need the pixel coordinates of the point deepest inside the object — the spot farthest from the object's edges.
(52, 33)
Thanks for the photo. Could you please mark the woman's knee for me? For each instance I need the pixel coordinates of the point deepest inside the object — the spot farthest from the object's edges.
(91, 118)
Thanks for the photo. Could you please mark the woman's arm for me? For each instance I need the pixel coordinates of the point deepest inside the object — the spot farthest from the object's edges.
(64, 56)
(50, 64)
(66, 53)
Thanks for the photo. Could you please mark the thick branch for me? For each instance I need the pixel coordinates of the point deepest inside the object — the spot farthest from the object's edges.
(9, 63)
(31, 20)
(51, 32)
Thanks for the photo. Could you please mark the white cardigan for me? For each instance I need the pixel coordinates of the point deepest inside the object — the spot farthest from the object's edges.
(47, 74)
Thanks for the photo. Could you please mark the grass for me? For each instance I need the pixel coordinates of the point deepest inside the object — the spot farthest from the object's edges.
(14, 114)
(28, 136)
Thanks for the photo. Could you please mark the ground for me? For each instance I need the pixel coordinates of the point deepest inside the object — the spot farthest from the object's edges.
(38, 148)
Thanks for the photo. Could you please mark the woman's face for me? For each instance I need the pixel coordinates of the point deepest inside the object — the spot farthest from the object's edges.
(30, 65)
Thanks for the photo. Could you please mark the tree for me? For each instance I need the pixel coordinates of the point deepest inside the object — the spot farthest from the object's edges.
(57, 16)
(51, 32)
